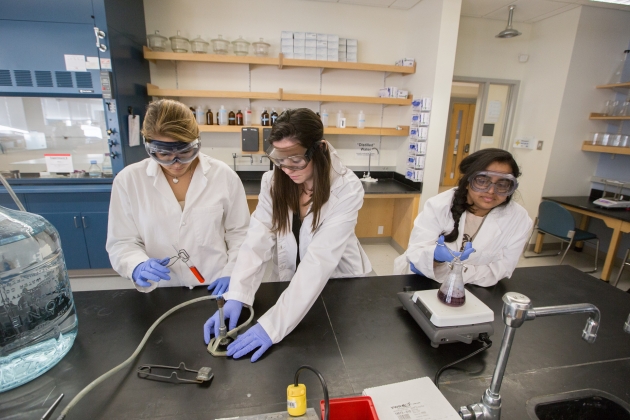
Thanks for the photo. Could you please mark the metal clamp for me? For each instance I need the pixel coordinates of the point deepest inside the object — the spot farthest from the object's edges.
(203, 375)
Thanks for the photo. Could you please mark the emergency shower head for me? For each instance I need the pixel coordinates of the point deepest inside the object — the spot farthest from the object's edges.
(509, 32)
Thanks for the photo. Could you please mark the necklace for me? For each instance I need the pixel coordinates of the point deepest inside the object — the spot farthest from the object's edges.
(176, 179)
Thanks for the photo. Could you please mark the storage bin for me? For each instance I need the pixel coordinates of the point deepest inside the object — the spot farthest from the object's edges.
(354, 408)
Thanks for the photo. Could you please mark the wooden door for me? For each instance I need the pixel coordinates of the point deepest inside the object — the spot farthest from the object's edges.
(458, 145)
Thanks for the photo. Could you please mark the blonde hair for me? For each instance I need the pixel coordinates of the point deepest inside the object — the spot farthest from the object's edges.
(169, 118)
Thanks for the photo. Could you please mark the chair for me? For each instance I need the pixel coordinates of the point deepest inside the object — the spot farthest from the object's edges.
(624, 262)
(555, 220)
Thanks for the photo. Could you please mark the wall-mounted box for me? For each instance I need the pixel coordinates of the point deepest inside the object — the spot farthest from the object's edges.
(250, 139)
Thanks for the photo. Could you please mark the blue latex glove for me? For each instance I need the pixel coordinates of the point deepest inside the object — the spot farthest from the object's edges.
(442, 253)
(219, 286)
(152, 269)
(414, 269)
(231, 310)
(255, 338)
(468, 249)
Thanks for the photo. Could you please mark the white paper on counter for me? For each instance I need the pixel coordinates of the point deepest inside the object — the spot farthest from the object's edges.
(74, 62)
(57, 162)
(134, 130)
(92, 63)
(417, 399)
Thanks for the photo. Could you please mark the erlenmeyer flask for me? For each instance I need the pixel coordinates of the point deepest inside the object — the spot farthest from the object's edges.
(621, 74)
(452, 291)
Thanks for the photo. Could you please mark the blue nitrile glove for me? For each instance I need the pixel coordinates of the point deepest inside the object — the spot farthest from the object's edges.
(442, 253)
(231, 310)
(468, 249)
(220, 285)
(152, 269)
(254, 338)
(414, 269)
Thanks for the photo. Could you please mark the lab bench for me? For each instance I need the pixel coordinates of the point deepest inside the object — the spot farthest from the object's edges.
(357, 334)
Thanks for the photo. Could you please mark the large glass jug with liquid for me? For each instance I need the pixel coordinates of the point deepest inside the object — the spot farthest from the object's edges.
(38, 321)
(452, 291)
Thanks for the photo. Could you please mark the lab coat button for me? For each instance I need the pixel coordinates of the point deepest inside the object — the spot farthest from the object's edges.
(183, 223)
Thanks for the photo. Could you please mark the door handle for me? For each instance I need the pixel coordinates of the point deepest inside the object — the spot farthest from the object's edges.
(83, 220)
(75, 222)
(467, 148)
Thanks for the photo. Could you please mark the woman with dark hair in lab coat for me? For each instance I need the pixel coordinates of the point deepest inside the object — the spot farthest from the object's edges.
(478, 213)
(305, 218)
(178, 198)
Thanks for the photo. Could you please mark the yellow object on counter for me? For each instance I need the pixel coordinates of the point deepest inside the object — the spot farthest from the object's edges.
(296, 400)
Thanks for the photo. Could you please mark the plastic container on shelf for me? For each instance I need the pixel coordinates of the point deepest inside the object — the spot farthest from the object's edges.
(340, 117)
(248, 116)
(179, 44)
(94, 170)
(222, 117)
(156, 42)
(324, 118)
(200, 116)
(199, 46)
(361, 120)
(107, 165)
(261, 48)
(220, 45)
(240, 46)
(38, 321)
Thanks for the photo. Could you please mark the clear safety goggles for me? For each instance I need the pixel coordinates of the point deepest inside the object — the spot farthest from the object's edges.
(295, 157)
(504, 186)
(167, 153)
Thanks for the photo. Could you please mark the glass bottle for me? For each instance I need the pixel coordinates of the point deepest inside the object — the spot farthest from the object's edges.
(274, 116)
(231, 118)
(452, 291)
(239, 118)
(622, 71)
(264, 118)
(248, 116)
(339, 118)
(38, 320)
(107, 165)
(209, 117)
(361, 120)
(94, 171)
(223, 120)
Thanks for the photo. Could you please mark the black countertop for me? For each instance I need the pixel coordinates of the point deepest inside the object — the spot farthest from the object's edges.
(356, 334)
(586, 203)
(383, 186)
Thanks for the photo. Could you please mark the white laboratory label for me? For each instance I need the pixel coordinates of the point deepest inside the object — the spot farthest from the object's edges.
(59, 162)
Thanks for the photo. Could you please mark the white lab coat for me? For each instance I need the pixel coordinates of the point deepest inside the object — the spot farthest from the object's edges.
(498, 244)
(332, 250)
(145, 221)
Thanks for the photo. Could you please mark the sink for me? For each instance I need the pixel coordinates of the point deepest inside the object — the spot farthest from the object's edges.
(585, 404)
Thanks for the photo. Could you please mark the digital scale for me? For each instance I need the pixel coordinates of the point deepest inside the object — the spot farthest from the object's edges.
(616, 201)
(611, 204)
(447, 324)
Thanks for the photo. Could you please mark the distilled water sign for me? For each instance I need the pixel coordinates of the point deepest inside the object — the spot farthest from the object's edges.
(365, 149)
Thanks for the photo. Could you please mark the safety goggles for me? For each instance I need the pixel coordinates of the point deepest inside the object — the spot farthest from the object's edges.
(167, 153)
(295, 157)
(482, 182)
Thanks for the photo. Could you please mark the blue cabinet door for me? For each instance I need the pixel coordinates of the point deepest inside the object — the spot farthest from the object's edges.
(70, 230)
(95, 231)
(7, 201)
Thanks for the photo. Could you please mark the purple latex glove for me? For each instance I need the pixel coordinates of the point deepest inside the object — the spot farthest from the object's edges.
(219, 286)
(231, 310)
(468, 249)
(152, 269)
(255, 338)
(442, 253)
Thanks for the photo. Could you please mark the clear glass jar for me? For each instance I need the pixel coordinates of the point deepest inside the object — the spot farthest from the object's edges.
(261, 48)
(220, 45)
(452, 291)
(38, 321)
(199, 46)
(179, 43)
(156, 42)
(240, 46)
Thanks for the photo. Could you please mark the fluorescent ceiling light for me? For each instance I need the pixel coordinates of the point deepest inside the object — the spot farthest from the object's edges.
(624, 2)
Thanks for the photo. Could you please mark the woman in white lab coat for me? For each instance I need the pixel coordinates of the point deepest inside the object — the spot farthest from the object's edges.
(305, 219)
(177, 199)
(477, 221)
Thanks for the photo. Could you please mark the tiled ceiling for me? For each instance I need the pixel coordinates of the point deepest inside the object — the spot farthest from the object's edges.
(526, 10)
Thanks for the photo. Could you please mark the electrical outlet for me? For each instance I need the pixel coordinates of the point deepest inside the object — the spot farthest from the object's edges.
(540, 144)
(380, 230)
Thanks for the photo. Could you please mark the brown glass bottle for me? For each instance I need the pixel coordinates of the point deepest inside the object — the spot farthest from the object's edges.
(274, 116)
(264, 118)
(231, 118)
(239, 118)
(209, 117)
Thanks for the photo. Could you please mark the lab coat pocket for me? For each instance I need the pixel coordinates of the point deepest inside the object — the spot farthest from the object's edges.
(208, 225)
(482, 258)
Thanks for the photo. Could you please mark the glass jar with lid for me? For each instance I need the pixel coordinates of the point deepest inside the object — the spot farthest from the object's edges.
(220, 45)
(261, 48)
(240, 46)
(199, 46)
(156, 42)
(179, 43)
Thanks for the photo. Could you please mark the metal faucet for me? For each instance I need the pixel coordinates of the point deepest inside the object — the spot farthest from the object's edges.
(251, 158)
(370, 160)
(626, 326)
(264, 156)
(517, 309)
(234, 161)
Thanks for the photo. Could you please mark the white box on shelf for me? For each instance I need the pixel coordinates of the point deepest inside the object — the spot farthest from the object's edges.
(286, 41)
(332, 38)
(333, 57)
(342, 58)
(341, 54)
(322, 50)
(322, 44)
(321, 57)
(351, 42)
(404, 94)
(299, 42)
(310, 36)
(310, 50)
(393, 91)
(351, 59)
(351, 49)
(299, 56)
(322, 37)
(423, 133)
(333, 49)
(308, 56)
(299, 50)
(299, 35)
(343, 47)
(382, 92)
(286, 49)
(342, 41)
(425, 104)
(288, 55)
(310, 43)
(413, 133)
(409, 62)
(424, 118)
(286, 35)
(351, 56)
(415, 119)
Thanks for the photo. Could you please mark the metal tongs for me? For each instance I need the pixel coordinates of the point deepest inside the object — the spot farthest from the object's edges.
(226, 337)
(455, 257)
(203, 375)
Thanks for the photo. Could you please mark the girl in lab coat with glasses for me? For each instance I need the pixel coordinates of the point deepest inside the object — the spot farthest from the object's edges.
(305, 218)
(177, 199)
(477, 221)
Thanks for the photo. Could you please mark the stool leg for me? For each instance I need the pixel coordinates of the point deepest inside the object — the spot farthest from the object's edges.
(623, 264)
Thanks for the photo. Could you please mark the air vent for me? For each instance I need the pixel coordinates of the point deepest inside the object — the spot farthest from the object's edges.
(84, 80)
(43, 78)
(64, 79)
(5, 78)
(23, 77)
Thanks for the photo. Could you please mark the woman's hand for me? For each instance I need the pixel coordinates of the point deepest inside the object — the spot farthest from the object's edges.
(152, 269)
(219, 286)
(231, 310)
(255, 338)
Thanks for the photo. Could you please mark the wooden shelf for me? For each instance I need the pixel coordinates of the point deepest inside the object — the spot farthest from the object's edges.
(368, 131)
(625, 85)
(279, 61)
(595, 116)
(153, 90)
(587, 146)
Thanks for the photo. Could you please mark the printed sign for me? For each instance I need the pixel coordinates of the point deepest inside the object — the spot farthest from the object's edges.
(59, 163)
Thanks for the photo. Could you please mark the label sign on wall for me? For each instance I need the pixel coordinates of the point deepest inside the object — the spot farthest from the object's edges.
(59, 163)
(365, 148)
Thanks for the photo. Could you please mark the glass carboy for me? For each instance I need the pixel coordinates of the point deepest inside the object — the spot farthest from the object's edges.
(38, 321)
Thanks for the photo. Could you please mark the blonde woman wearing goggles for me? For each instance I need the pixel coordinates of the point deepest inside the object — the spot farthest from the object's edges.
(177, 198)
(304, 224)
(477, 221)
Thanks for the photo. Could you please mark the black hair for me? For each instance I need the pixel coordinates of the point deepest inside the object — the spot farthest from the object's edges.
(476, 162)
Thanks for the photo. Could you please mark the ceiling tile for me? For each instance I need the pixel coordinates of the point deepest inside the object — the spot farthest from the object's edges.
(480, 8)
(563, 9)
(527, 10)
(404, 4)
(376, 3)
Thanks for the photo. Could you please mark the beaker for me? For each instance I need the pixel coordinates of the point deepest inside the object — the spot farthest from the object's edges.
(452, 291)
